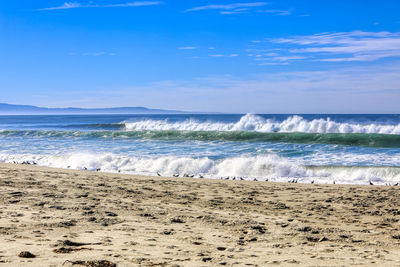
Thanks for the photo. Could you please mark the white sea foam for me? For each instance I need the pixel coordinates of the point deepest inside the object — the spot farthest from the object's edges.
(251, 122)
(270, 167)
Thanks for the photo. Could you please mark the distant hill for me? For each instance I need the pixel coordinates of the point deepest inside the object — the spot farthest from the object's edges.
(8, 109)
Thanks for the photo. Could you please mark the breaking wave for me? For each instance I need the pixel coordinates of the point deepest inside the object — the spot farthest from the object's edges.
(271, 167)
(255, 123)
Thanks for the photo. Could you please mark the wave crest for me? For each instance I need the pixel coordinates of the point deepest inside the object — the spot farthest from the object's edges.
(255, 123)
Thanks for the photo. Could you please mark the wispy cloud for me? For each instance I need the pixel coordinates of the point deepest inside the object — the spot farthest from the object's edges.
(71, 5)
(358, 90)
(276, 12)
(280, 58)
(223, 55)
(188, 48)
(229, 8)
(343, 46)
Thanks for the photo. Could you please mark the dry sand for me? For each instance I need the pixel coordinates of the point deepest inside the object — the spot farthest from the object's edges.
(154, 221)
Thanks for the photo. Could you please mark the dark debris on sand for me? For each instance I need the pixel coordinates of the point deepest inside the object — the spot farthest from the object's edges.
(68, 250)
(26, 254)
(94, 263)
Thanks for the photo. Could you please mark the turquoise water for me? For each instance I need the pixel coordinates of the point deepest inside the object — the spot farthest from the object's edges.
(324, 148)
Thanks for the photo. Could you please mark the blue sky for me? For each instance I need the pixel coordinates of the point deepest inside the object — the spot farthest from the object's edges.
(286, 56)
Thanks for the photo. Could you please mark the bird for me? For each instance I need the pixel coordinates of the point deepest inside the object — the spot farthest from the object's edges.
(266, 180)
(334, 182)
(158, 174)
(370, 183)
(98, 169)
(312, 181)
(396, 184)
(255, 179)
(176, 175)
(201, 176)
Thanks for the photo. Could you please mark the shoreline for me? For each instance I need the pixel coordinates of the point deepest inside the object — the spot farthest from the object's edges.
(135, 220)
(290, 179)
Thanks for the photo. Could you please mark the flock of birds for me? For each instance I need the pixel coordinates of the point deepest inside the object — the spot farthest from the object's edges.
(295, 181)
(186, 175)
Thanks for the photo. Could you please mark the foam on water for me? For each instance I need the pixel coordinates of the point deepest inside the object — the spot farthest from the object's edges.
(251, 122)
(270, 167)
(346, 149)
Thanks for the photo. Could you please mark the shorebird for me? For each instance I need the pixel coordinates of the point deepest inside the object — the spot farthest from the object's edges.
(334, 182)
(98, 169)
(312, 181)
(201, 176)
(176, 175)
(266, 180)
(158, 174)
(370, 183)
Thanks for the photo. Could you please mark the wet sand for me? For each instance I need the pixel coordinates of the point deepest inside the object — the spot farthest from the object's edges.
(65, 216)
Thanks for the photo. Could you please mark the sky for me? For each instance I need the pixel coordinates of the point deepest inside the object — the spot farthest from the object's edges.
(286, 56)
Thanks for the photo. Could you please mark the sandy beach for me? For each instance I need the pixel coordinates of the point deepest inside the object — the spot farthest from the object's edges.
(68, 218)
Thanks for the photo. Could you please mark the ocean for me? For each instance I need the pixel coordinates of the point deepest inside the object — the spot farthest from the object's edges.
(347, 149)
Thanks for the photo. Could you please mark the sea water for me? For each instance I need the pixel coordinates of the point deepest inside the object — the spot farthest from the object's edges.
(353, 149)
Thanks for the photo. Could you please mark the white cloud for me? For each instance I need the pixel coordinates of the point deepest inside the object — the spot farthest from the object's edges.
(344, 46)
(232, 12)
(349, 90)
(70, 5)
(372, 89)
(188, 48)
(98, 54)
(287, 58)
(277, 12)
(237, 7)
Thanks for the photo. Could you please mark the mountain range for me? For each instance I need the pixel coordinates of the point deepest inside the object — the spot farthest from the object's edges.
(8, 109)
